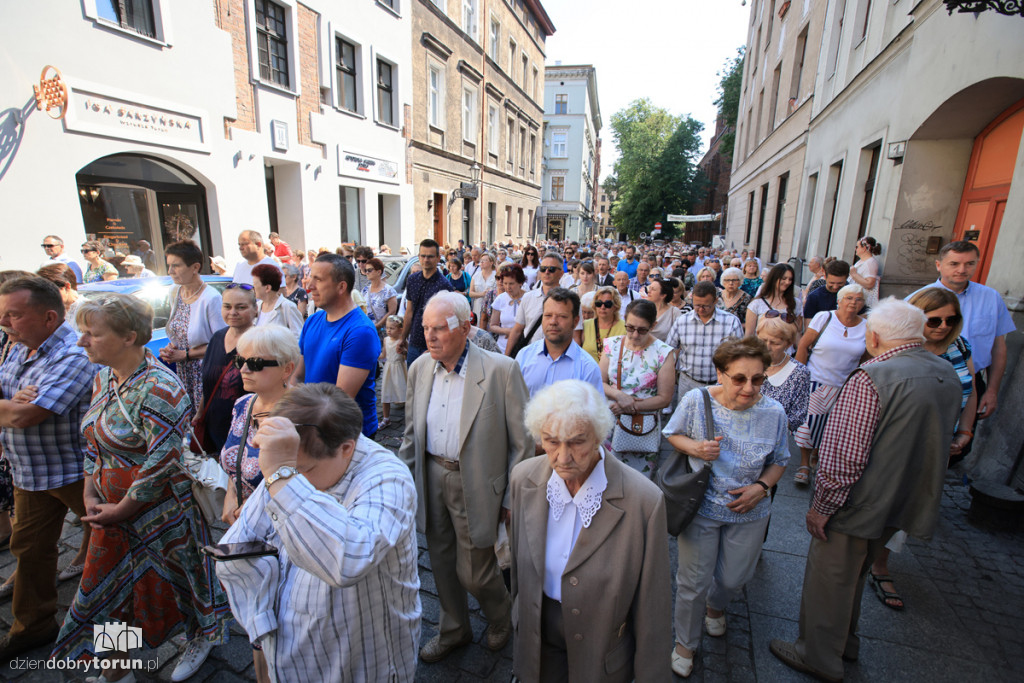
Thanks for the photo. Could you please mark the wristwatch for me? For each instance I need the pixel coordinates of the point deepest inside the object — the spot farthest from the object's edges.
(283, 472)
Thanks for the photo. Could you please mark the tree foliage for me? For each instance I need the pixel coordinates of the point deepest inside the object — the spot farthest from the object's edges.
(655, 172)
(728, 102)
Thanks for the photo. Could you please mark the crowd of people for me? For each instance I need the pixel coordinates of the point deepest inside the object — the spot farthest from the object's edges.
(538, 384)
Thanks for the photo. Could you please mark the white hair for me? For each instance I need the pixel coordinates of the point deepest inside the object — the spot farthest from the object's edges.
(456, 303)
(732, 272)
(896, 320)
(852, 288)
(270, 342)
(587, 301)
(559, 409)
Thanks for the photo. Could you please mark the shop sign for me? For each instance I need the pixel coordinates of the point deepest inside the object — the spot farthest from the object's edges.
(362, 166)
(99, 110)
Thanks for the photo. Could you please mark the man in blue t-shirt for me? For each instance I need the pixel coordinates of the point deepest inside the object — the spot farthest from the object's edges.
(629, 265)
(339, 343)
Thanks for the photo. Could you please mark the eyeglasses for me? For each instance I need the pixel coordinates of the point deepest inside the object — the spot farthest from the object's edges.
(88, 251)
(548, 269)
(785, 315)
(604, 304)
(740, 380)
(255, 364)
(361, 260)
(49, 246)
(256, 417)
(951, 321)
(239, 285)
(630, 329)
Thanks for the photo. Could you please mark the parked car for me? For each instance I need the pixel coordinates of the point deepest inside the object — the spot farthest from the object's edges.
(155, 290)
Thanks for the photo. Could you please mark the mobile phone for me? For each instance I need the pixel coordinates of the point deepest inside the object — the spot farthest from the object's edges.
(237, 551)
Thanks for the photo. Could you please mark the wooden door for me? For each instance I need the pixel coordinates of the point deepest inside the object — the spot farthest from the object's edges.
(439, 207)
(988, 184)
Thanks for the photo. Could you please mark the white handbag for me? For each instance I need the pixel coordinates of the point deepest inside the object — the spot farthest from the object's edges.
(639, 433)
(209, 480)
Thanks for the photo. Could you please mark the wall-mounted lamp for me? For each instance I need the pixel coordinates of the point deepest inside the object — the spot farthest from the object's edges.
(430, 204)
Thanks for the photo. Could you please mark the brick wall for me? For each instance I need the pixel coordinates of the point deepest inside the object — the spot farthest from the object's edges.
(231, 18)
(309, 74)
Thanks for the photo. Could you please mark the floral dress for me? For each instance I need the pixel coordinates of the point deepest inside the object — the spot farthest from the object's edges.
(639, 368)
(147, 570)
(377, 302)
(190, 372)
(739, 309)
(96, 274)
(251, 473)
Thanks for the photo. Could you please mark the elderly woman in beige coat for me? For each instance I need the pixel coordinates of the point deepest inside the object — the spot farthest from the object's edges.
(590, 570)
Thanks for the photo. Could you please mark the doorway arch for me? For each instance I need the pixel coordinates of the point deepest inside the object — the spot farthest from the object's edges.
(129, 198)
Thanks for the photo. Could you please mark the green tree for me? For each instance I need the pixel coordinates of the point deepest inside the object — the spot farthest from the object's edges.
(728, 101)
(655, 172)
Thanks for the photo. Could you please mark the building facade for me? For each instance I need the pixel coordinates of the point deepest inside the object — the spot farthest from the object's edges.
(771, 128)
(197, 120)
(603, 214)
(478, 70)
(716, 169)
(572, 125)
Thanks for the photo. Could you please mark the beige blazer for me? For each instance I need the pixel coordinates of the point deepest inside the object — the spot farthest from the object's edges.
(492, 436)
(616, 591)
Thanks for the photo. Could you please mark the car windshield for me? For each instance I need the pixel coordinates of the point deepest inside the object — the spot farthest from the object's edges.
(158, 296)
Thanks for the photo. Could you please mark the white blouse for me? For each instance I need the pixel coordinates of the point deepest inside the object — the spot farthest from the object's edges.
(204, 315)
(567, 516)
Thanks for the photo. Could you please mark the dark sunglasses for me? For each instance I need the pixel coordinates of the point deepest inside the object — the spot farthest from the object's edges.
(255, 364)
(785, 315)
(548, 269)
(49, 246)
(88, 251)
(740, 380)
(604, 304)
(951, 321)
(239, 285)
(361, 260)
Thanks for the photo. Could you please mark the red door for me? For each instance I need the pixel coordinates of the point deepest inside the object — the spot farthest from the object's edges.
(988, 184)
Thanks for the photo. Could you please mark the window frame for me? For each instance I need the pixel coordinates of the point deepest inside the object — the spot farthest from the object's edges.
(564, 144)
(469, 105)
(472, 7)
(390, 89)
(561, 103)
(435, 110)
(92, 10)
(494, 40)
(339, 69)
(284, 39)
(493, 130)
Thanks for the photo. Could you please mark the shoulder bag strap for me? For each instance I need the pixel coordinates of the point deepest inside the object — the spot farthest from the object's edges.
(597, 337)
(533, 328)
(618, 371)
(820, 332)
(709, 422)
(206, 407)
(242, 448)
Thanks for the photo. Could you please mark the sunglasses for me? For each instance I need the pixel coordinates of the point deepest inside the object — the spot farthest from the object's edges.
(786, 316)
(951, 321)
(256, 417)
(604, 304)
(740, 380)
(239, 285)
(49, 246)
(361, 260)
(630, 329)
(255, 364)
(549, 269)
(88, 251)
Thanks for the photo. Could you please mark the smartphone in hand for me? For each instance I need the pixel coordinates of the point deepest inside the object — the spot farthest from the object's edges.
(237, 551)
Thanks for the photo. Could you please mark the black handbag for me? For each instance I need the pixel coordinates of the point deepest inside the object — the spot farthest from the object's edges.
(524, 341)
(684, 489)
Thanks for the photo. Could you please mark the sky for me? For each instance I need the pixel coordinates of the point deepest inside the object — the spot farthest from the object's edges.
(667, 50)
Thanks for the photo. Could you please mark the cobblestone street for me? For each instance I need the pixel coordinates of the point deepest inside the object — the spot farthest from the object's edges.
(964, 618)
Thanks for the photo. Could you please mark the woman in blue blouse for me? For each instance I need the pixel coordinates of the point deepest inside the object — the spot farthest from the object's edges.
(942, 337)
(748, 453)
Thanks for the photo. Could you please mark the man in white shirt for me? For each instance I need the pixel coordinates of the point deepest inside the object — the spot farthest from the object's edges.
(473, 265)
(250, 246)
(54, 248)
(340, 601)
(464, 433)
(532, 306)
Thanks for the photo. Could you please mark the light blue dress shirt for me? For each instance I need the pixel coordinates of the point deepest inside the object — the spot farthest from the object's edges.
(539, 370)
(985, 318)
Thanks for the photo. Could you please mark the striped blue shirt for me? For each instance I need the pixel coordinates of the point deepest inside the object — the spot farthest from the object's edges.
(49, 455)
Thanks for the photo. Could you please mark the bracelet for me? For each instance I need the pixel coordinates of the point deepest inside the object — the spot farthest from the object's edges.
(969, 433)
(764, 486)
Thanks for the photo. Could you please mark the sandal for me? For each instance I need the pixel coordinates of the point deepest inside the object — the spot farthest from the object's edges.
(802, 476)
(885, 596)
(385, 423)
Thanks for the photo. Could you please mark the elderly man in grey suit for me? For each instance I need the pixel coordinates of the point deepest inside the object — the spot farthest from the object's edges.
(464, 434)
(881, 468)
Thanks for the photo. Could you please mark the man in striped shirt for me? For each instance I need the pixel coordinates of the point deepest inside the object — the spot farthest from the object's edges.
(697, 334)
(881, 468)
(340, 602)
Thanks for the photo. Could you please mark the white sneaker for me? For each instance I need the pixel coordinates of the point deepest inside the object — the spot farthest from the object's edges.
(191, 659)
(681, 666)
(715, 625)
(127, 678)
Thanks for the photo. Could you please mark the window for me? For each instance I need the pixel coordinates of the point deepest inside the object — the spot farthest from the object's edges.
(492, 210)
(835, 178)
(559, 145)
(134, 15)
(863, 14)
(469, 115)
(533, 153)
(388, 3)
(760, 111)
(519, 229)
(836, 39)
(526, 70)
(385, 93)
(750, 216)
(776, 77)
(508, 221)
(512, 59)
(469, 17)
(522, 151)
(345, 65)
(760, 218)
(557, 188)
(435, 96)
(493, 43)
(798, 70)
(510, 143)
(493, 133)
(536, 82)
(562, 104)
(350, 227)
(869, 188)
(272, 42)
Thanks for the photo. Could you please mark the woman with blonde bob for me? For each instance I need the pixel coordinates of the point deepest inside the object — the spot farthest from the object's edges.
(789, 381)
(144, 566)
(605, 323)
(586, 527)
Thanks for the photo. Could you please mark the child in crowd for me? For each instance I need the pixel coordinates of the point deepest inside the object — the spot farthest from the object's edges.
(395, 372)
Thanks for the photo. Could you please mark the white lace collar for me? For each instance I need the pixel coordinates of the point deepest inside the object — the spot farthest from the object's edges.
(587, 499)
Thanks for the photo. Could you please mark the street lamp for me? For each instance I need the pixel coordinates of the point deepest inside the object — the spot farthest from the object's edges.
(474, 173)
